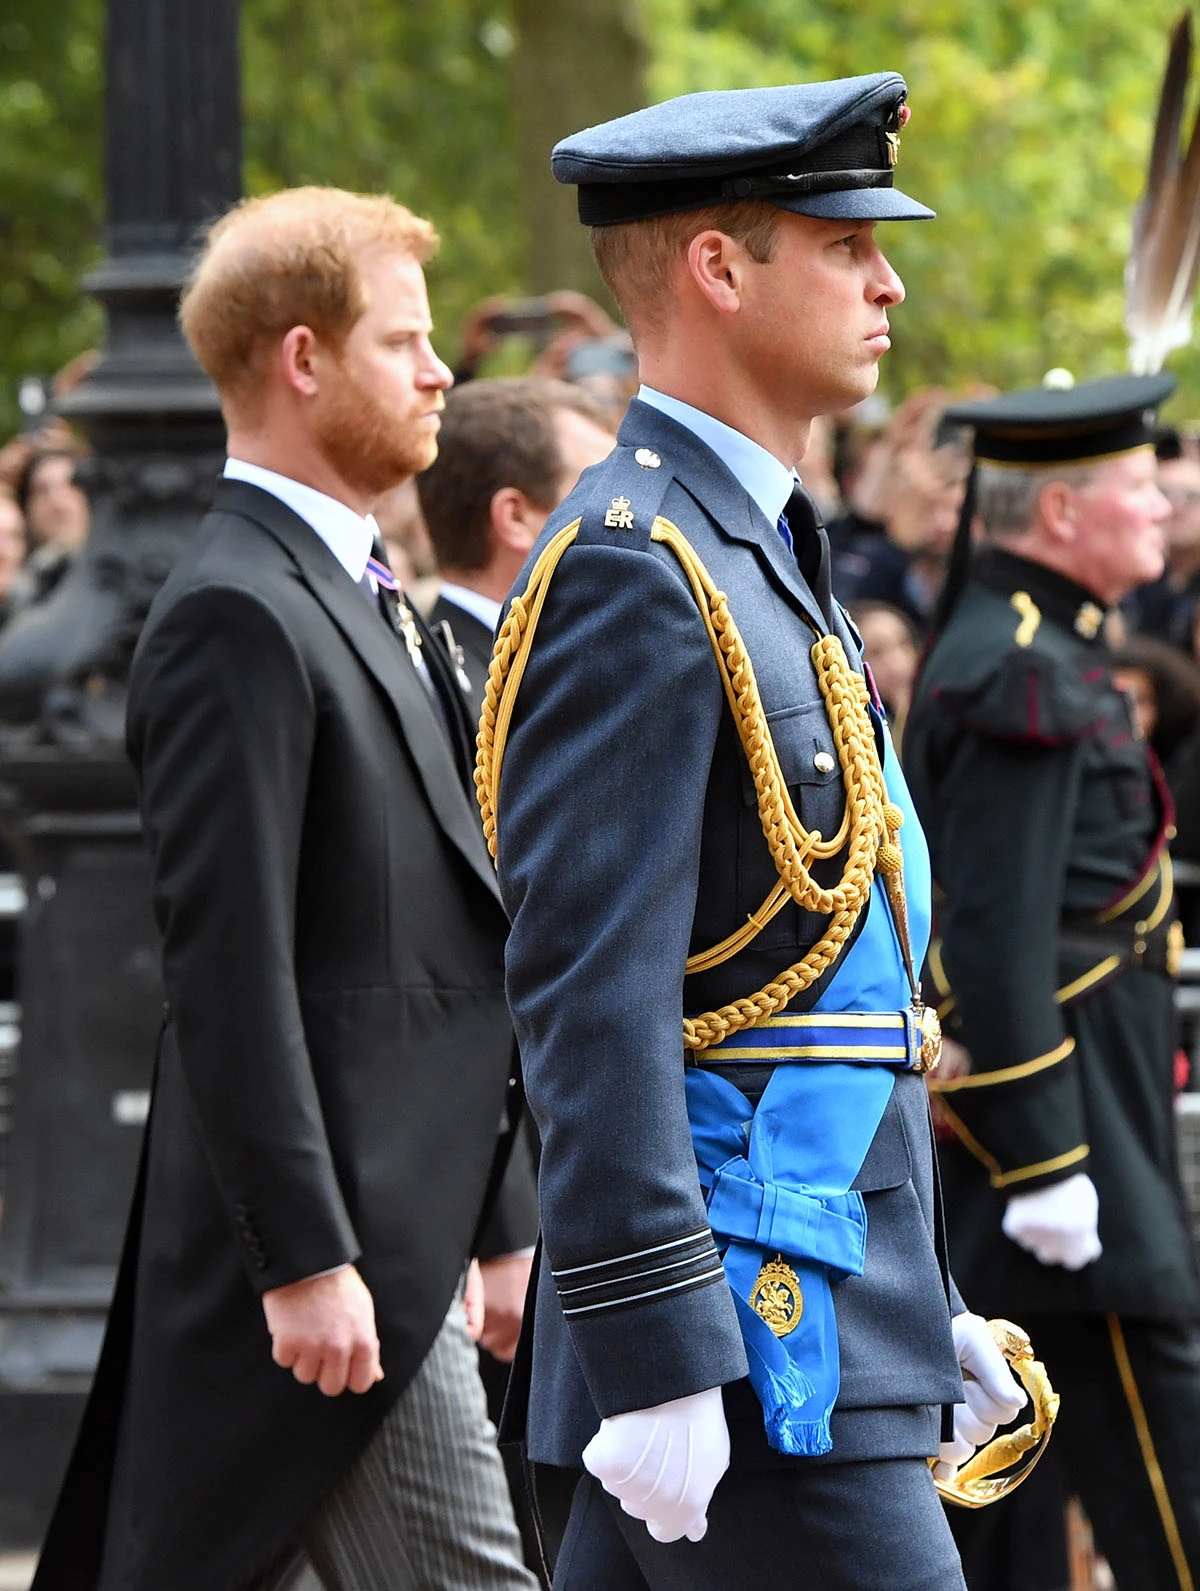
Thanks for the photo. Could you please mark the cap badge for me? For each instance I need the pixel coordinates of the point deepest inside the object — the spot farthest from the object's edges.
(903, 112)
(1088, 621)
(619, 515)
(647, 458)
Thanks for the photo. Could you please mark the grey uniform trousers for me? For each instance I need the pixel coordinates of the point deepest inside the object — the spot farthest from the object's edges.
(871, 1526)
(426, 1505)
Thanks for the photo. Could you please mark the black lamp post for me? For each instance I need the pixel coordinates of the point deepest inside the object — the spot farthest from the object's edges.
(88, 980)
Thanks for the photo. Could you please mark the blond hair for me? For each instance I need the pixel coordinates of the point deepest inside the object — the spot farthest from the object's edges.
(637, 258)
(289, 259)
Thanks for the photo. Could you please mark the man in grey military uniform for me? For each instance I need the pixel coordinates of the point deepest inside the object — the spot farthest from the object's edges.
(697, 817)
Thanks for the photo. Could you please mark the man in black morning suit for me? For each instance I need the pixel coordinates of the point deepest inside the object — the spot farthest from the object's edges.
(335, 1058)
(718, 1030)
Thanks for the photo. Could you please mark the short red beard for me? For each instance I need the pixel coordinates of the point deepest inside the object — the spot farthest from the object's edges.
(371, 447)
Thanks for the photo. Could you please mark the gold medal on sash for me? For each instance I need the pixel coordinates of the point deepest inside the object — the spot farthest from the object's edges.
(776, 1296)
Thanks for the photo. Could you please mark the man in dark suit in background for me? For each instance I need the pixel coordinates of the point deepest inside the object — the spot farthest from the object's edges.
(335, 1055)
(508, 453)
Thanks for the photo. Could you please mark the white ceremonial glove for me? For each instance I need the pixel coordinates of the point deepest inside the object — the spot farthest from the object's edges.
(993, 1394)
(663, 1464)
(1057, 1224)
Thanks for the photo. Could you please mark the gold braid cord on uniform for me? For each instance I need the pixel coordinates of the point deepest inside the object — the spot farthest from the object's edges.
(979, 1481)
(870, 822)
(870, 825)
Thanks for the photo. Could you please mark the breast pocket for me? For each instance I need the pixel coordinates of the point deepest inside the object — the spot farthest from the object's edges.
(808, 762)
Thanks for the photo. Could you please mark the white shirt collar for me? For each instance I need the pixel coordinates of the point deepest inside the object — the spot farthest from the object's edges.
(766, 480)
(478, 606)
(347, 534)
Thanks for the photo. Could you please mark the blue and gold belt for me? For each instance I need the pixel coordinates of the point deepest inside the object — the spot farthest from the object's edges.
(908, 1040)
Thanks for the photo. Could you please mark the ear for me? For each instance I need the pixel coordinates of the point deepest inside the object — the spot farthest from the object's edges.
(516, 520)
(717, 265)
(296, 361)
(1057, 510)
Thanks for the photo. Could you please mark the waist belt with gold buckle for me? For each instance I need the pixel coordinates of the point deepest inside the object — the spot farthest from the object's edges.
(909, 1040)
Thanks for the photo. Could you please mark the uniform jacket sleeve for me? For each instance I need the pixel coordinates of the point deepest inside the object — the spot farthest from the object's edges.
(600, 808)
(221, 728)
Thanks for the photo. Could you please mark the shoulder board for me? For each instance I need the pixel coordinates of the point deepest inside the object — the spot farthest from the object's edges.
(623, 498)
(1027, 697)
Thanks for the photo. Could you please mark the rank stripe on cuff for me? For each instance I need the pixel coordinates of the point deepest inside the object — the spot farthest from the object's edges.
(683, 1263)
(996, 1175)
(1043, 1167)
(701, 1233)
(574, 1294)
(705, 1279)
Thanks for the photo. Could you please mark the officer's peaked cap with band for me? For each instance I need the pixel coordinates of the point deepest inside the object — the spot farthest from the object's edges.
(1065, 424)
(819, 149)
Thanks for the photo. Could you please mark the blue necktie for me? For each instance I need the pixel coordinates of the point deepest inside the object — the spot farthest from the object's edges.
(800, 520)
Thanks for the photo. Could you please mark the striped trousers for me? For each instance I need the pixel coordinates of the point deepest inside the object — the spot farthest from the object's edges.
(426, 1505)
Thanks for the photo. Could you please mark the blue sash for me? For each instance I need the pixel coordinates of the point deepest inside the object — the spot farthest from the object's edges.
(777, 1180)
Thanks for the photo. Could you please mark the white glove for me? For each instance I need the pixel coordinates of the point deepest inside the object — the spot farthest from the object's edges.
(663, 1464)
(1057, 1224)
(993, 1395)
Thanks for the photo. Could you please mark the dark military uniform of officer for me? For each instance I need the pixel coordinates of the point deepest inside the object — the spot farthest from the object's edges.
(650, 929)
(1054, 946)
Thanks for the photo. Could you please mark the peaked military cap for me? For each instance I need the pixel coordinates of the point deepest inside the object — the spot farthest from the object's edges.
(1065, 424)
(819, 149)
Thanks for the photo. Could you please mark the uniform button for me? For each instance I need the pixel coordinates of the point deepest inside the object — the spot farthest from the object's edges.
(647, 458)
(823, 762)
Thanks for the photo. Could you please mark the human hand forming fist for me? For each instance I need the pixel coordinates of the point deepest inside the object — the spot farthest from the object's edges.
(323, 1330)
(993, 1394)
(662, 1464)
(505, 1282)
(1058, 1224)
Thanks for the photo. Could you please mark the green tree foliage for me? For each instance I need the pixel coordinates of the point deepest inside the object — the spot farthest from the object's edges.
(50, 186)
(411, 98)
(1030, 135)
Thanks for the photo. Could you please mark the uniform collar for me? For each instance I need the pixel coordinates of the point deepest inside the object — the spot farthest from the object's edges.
(764, 478)
(348, 535)
(1061, 600)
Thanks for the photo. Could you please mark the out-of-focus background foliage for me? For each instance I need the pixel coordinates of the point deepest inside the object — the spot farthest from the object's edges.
(1030, 136)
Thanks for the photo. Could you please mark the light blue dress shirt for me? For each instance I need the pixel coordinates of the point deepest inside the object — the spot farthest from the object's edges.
(767, 481)
(347, 535)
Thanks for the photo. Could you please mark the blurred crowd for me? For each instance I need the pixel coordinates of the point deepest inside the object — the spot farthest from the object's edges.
(44, 511)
